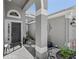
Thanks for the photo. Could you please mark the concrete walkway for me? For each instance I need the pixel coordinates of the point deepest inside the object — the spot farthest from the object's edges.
(21, 53)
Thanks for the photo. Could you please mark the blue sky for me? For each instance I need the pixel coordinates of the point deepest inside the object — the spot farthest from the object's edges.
(56, 5)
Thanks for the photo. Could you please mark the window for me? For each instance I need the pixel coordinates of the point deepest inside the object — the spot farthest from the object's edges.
(14, 14)
(8, 31)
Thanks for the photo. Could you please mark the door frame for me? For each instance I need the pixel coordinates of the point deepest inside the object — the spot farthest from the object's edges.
(8, 21)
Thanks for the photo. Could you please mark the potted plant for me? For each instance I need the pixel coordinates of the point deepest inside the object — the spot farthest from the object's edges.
(66, 53)
(26, 38)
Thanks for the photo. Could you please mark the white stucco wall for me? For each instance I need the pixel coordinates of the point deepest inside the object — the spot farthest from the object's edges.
(57, 28)
(61, 32)
(31, 27)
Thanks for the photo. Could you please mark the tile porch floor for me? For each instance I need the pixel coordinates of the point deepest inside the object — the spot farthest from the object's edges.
(21, 53)
(26, 53)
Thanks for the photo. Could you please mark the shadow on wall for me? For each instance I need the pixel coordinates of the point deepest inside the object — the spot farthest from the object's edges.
(30, 35)
(28, 38)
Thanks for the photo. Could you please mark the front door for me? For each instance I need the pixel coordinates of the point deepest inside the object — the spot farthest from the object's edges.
(15, 34)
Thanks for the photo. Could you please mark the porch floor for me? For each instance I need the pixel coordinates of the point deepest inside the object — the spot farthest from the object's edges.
(21, 53)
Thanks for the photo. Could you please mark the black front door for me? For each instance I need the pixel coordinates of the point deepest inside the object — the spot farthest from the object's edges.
(15, 34)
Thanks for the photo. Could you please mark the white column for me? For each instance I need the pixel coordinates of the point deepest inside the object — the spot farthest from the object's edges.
(41, 28)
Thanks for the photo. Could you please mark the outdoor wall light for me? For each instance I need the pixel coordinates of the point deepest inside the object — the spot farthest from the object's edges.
(73, 22)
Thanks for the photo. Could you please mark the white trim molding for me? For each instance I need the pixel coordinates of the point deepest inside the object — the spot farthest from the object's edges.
(30, 22)
(8, 21)
(42, 4)
(61, 13)
(8, 14)
(28, 15)
(41, 50)
(27, 5)
(41, 11)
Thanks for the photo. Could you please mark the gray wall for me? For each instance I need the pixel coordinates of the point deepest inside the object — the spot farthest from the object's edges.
(12, 6)
(72, 31)
(72, 36)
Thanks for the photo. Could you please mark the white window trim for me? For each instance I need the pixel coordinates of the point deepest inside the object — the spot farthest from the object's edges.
(8, 14)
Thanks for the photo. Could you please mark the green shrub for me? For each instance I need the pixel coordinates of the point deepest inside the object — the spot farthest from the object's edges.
(66, 53)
